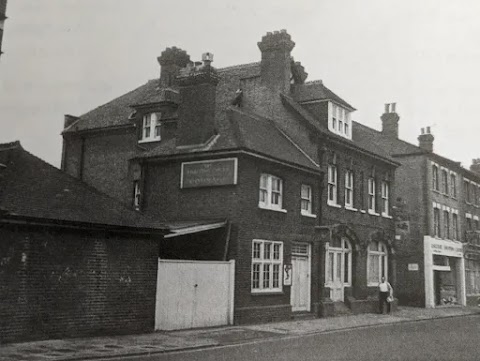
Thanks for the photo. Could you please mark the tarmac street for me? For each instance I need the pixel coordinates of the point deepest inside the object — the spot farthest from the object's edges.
(440, 339)
(409, 332)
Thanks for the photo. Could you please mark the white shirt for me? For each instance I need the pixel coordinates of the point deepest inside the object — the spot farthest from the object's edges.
(384, 287)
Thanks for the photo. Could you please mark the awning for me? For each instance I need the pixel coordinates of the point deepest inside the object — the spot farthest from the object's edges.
(189, 227)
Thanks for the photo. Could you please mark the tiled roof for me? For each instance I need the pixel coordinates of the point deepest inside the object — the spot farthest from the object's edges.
(32, 188)
(117, 111)
(316, 90)
(246, 132)
(358, 142)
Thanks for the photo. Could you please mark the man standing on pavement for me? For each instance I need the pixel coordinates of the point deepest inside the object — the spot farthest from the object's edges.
(385, 295)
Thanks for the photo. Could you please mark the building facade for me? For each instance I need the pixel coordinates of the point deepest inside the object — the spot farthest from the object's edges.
(435, 214)
(308, 204)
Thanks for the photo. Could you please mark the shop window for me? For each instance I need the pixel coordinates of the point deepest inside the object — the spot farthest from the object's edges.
(472, 277)
(377, 263)
(271, 192)
(338, 264)
(267, 260)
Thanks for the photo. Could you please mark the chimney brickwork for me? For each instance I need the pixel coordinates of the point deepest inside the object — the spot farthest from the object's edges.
(425, 140)
(171, 61)
(196, 113)
(475, 167)
(390, 121)
(276, 63)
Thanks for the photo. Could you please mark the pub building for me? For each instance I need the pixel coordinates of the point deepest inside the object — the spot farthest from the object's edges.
(254, 164)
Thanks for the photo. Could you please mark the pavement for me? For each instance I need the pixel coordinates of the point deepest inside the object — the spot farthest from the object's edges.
(161, 342)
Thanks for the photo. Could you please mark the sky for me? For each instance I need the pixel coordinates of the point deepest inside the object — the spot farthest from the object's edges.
(70, 56)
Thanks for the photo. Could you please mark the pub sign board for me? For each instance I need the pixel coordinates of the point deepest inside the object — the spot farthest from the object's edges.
(209, 173)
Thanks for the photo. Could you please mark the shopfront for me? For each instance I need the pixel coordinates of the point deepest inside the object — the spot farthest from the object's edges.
(444, 273)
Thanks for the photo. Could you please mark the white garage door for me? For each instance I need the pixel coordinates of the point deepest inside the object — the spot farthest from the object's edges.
(194, 294)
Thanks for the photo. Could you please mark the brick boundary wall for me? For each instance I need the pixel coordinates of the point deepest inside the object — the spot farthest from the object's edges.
(67, 284)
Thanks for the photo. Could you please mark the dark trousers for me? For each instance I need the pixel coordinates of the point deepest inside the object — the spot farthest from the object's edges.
(382, 299)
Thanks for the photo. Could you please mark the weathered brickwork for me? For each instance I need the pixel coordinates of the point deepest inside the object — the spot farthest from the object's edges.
(67, 284)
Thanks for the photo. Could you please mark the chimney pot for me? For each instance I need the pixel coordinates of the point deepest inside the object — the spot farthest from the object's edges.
(393, 107)
(428, 130)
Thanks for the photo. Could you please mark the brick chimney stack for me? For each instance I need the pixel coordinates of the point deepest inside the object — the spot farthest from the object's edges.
(390, 121)
(276, 60)
(196, 112)
(475, 167)
(171, 61)
(425, 140)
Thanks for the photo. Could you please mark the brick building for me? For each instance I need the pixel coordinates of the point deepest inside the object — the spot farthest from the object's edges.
(276, 156)
(3, 17)
(436, 203)
(73, 261)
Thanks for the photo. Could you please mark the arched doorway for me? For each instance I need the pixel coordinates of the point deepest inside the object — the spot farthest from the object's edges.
(338, 268)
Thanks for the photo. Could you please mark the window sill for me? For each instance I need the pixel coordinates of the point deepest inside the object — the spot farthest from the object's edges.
(351, 209)
(363, 211)
(372, 284)
(267, 293)
(373, 213)
(385, 215)
(149, 140)
(334, 205)
(309, 215)
(272, 209)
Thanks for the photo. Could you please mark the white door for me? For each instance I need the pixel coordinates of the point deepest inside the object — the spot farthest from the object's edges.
(338, 269)
(336, 290)
(300, 291)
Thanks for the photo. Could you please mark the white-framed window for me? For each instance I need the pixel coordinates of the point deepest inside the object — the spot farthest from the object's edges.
(371, 195)
(306, 199)
(435, 177)
(339, 120)
(466, 190)
(150, 128)
(332, 184)
(136, 195)
(436, 221)
(349, 188)
(454, 226)
(338, 264)
(377, 263)
(468, 222)
(267, 266)
(446, 224)
(453, 185)
(385, 199)
(271, 192)
(445, 181)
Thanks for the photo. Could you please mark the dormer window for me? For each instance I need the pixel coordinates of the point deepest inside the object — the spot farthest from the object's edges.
(339, 120)
(150, 128)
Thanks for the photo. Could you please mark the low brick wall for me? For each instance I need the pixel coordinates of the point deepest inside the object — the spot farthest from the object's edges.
(67, 284)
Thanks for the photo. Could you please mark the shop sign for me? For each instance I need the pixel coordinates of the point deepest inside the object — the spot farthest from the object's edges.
(207, 173)
(413, 266)
(446, 248)
(287, 275)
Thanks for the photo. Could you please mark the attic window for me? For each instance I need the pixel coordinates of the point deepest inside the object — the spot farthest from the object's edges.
(339, 120)
(150, 128)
